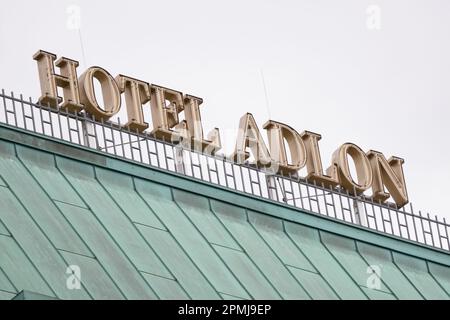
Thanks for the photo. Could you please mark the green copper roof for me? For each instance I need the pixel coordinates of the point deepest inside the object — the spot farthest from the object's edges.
(141, 233)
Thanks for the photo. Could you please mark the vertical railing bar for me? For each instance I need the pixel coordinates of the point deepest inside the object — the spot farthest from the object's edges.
(332, 200)
(59, 124)
(349, 206)
(375, 217)
(233, 173)
(390, 221)
(431, 229)
(200, 166)
(207, 167)
(317, 197)
(42, 123)
(423, 229)
(283, 184)
(191, 163)
(165, 152)
(134, 147)
(149, 153)
(161, 143)
(414, 221)
(131, 143)
(242, 178)
(50, 115)
(111, 127)
(69, 127)
(275, 186)
(270, 189)
(309, 196)
(216, 168)
(383, 219)
(325, 199)
(121, 139)
(175, 149)
(197, 165)
(225, 173)
(97, 141)
(157, 153)
(398, 221)
(23, 113)
(32, 114)
(292, 189)
(367, 215)
(299, 192)
(241, 170)
(183, 162)
(86, 135)
(383, 222)
(438, 230)
(179, 151)
(105, 140)
(250, 178)
(406, 224)
(79, 134)
(446, 233)
(171, 157)
(267, 184)
(51, 121)
(416, 229)
(4, 106)
(14, 109)
(259, 183)
(342, 205)
(139, 145)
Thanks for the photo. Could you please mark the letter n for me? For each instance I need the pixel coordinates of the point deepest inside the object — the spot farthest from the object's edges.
(389, 174)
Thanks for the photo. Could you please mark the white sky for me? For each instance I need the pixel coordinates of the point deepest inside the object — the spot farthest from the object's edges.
(325, 70)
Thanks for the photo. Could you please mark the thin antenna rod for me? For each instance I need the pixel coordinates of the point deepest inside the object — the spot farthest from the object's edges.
(82, 48)
(265, 93)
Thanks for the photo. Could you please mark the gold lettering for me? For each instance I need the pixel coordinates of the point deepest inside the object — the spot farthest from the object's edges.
(166, 104)
(110, 92)
(362, 166)
(389, 174)
(250, 137)
(314, 162)
(50, 81)
(194, 124)
(137, 93)
(278, 133)
(385, 177)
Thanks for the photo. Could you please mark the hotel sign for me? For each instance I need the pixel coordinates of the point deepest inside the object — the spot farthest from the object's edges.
(373, 171)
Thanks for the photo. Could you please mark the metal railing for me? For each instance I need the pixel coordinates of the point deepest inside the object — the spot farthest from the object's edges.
(112, 138)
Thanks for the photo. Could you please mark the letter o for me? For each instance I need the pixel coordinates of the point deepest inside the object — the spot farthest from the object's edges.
(110, 92)
(362, 165)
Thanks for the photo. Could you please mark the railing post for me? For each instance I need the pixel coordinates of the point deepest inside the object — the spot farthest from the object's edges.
(271, 187)
(360, 213)
(88, 133)
(178, 157)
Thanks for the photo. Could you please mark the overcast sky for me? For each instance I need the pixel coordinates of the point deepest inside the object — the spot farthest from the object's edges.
(329, 66)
